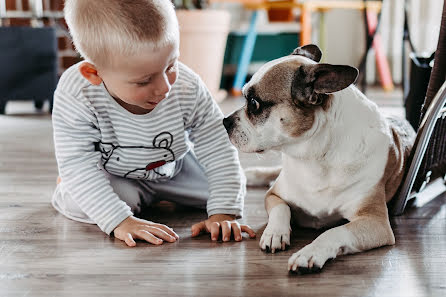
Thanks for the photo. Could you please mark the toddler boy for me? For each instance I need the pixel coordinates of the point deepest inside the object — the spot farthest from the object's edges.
(133, 126)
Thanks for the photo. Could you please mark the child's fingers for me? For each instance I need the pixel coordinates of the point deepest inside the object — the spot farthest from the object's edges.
(215, 230)
(197, 228)
(129, 240)
(247, 229)
(147, 236)
(225, 230)
(168, 230)
(158, 232)
(236, 231)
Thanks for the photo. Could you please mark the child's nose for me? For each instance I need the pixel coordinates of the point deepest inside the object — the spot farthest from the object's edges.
(163, 86)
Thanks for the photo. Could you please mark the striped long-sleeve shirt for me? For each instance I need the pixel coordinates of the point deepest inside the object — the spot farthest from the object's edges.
(93, 132)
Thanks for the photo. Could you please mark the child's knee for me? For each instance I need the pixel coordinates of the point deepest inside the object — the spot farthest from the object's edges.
(63, 203)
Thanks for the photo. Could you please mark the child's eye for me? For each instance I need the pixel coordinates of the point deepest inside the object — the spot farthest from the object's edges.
(143, 83)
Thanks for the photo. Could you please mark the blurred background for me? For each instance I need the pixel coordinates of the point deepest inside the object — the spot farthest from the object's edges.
(226, 41)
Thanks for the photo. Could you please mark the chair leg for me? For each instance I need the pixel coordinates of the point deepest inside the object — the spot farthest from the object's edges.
(2, 106)
(246, 55)
(38, 104)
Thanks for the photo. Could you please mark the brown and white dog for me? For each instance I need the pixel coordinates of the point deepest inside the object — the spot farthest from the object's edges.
(341, 158)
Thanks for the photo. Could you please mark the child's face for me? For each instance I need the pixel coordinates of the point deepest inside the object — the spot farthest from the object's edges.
(140, 82)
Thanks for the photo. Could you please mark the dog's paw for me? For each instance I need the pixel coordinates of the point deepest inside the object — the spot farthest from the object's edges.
(275, 238)
(309, 259)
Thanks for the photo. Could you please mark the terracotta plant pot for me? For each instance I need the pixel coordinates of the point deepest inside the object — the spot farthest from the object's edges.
(203, 35)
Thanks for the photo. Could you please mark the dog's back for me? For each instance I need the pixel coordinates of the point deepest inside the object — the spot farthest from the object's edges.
(400, 149)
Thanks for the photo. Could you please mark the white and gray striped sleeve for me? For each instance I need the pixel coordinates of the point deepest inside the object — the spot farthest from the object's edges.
(227, 183)
(75, 134)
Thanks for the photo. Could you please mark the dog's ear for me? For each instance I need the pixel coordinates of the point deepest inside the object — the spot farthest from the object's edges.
(310, 51)
(312, 83)
(332, 78)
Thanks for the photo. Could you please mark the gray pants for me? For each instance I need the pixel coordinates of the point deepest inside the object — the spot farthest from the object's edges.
(189, 187)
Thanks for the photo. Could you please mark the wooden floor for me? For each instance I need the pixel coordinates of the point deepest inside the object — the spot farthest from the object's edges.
(44, 254)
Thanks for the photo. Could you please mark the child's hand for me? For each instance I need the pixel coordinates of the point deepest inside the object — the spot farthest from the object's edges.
(226, 223)
(151, 232)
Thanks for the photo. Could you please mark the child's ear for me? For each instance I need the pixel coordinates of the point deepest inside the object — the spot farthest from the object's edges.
(90, 72)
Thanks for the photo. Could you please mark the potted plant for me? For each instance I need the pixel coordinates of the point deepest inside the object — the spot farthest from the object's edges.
(203, 35)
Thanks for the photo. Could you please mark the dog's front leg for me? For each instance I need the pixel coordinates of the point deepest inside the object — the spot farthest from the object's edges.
(276, 235)
(368, 228)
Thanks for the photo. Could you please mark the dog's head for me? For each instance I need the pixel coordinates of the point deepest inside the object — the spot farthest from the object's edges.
(284, 98)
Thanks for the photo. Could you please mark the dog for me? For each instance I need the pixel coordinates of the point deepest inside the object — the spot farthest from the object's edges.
(342, 159)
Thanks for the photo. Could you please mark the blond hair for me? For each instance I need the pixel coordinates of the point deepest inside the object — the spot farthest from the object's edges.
(104, 29)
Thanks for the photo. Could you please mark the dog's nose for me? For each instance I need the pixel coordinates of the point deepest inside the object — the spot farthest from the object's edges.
(228, 123)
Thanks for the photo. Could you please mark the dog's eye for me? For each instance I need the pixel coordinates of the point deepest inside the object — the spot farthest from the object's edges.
(253, 104)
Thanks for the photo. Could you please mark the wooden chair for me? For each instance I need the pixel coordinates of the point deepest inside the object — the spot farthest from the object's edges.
(428, 158)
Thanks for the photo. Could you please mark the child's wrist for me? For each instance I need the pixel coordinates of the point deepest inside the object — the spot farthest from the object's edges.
(222, 215)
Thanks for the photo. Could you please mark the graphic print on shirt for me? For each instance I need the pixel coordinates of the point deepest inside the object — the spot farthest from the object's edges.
(159, 155)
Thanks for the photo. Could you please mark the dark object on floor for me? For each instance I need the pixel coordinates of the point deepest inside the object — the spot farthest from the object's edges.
(414, 88)
(28, 59)
(420, 72)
